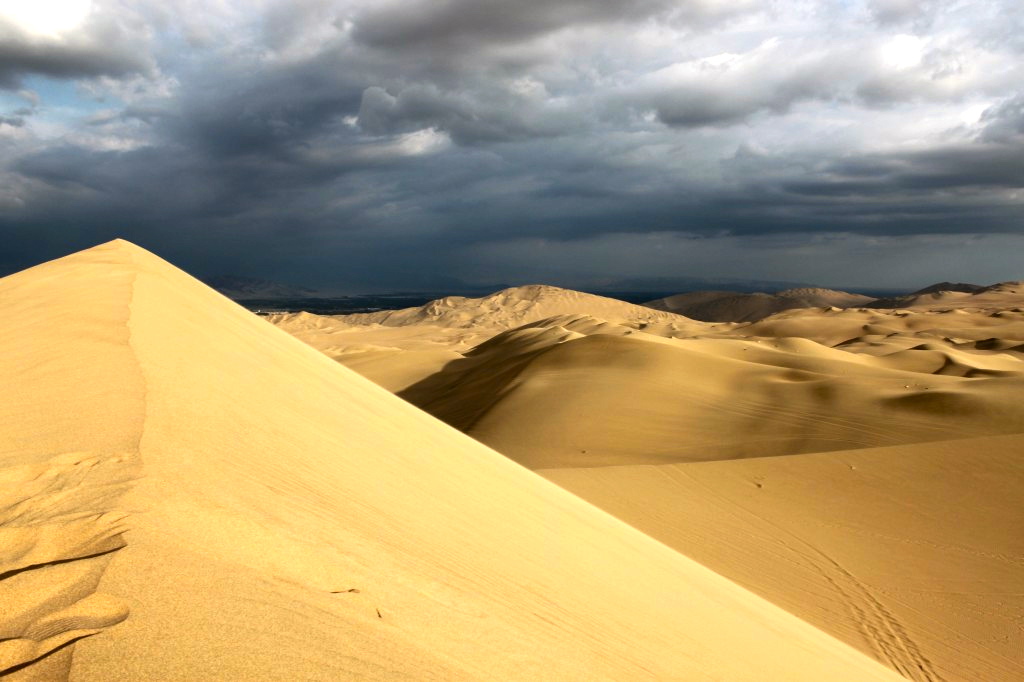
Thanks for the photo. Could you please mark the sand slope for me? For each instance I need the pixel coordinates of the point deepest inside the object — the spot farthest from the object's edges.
(913, 553)
(286, 519)
(392, 357)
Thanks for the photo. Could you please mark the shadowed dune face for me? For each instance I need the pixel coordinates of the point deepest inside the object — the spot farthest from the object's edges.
(619, 396)
(729, 306)
(290, 520)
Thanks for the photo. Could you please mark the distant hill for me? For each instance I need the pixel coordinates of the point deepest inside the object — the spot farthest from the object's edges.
(513, 307)
(692, 284)
(934, 293)
(946, 294)
(242, 288)
(950, 286)
(730, 306)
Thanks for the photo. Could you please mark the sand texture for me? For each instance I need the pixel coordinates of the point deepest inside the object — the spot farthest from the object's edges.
(190, 493)
(913, 553)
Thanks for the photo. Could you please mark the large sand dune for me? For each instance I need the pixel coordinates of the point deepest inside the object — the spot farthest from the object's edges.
(192, 494)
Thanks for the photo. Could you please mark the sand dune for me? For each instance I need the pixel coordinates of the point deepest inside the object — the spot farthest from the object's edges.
(512, 308)
(392, 357)
(948, 295)
(913, 553)
(579, 392)
(731, 306)
(859, 329)
(201, 496)
(397, 348)
(908, 548)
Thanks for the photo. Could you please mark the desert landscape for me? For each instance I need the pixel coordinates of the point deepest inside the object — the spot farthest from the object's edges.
(858, 466)
(550, 340)
(537, 484)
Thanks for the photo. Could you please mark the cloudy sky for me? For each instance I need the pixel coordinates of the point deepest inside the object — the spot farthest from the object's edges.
(367, 145)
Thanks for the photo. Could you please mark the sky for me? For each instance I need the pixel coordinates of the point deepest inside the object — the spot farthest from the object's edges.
(378, 145)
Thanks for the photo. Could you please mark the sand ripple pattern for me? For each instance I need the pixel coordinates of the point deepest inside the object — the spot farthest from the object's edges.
(59, 527)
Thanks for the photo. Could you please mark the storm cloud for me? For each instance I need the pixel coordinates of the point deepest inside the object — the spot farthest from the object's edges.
(374, 145)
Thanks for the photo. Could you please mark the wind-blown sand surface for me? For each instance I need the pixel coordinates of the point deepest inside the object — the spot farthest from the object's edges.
(843, 463)
(190, 493)
(913, 553)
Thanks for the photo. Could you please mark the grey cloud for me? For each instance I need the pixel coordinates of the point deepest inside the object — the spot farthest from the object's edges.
(287, 22)
(1004, 123)
(772, 78)
(280, 110)
(402, 25)
(993, 161)
(290, 148)
(501, 118)
(895, 12)
(103, 48)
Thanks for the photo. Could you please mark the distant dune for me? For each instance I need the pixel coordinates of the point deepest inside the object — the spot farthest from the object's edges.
(190, 493)
(397, 348)
(948, 294)
(513, 307)
(730, 306)
(586, 387)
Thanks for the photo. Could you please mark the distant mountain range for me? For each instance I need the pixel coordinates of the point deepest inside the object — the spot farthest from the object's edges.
(243, 288)
(726, 303)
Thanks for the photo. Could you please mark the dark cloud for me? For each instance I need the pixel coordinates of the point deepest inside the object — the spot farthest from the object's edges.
(104, 47)
(462, 23)
(388, 144)
(901, 12)
(469, 120)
